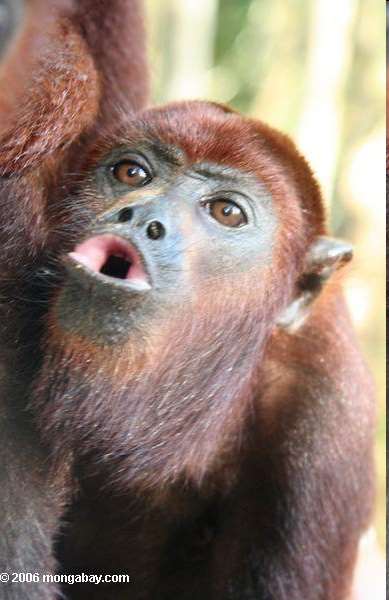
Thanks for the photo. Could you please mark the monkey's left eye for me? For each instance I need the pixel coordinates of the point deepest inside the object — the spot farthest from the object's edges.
(227, 213)
(131, 173)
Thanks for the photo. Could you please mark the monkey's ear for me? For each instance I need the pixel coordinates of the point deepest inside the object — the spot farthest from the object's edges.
(325, 256)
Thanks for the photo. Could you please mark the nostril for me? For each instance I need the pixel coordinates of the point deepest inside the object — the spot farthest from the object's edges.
(155, 230)
(125, 215)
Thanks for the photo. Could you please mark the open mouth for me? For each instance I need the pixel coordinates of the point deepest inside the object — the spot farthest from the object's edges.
(111, 259)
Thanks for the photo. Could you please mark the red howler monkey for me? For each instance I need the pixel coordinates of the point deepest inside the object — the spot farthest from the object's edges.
(182, 396)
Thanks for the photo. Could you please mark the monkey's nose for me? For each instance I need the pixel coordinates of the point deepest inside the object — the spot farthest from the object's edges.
(149, 219)
(125, 215)
(155, 230)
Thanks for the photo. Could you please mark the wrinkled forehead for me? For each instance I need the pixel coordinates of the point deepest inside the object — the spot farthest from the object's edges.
(200, 133)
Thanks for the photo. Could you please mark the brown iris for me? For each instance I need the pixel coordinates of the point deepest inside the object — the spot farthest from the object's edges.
(227, 213)
(131, 173)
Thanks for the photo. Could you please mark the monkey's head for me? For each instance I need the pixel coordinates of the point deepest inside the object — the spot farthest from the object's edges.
(204, 233)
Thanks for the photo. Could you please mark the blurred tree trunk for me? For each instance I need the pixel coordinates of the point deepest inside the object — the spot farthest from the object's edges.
(329, 57)
(192, 48)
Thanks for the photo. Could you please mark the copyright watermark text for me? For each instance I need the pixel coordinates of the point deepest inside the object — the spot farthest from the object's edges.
(63, 578)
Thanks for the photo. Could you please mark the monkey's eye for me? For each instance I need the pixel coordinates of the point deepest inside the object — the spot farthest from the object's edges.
(227, 213)
(131, 173)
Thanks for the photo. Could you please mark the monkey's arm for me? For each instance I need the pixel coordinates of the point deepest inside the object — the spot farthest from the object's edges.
(69, 64)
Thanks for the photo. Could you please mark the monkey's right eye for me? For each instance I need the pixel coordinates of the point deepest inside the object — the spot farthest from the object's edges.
(131, 173)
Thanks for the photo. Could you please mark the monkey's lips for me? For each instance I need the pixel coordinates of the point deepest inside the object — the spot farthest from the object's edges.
(110, 259)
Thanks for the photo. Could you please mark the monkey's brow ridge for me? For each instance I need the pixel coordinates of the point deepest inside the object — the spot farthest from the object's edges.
(169, 153)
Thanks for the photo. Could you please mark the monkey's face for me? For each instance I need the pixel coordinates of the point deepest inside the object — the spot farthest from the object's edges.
(194, 216)
(169, 235)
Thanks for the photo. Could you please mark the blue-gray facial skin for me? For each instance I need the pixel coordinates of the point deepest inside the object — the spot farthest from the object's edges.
(192, 227)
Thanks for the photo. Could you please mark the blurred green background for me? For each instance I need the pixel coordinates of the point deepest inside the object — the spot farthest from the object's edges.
(316, 70)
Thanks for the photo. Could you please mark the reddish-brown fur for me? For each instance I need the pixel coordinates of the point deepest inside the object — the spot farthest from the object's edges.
(53, 89)
(224, 457)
